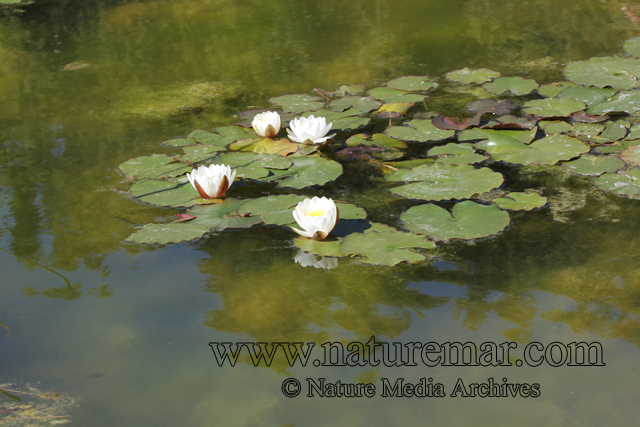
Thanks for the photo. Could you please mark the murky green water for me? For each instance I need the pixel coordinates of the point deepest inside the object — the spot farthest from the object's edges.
(125, 328)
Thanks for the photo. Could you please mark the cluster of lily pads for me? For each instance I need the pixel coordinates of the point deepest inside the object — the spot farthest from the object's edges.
(587, 125)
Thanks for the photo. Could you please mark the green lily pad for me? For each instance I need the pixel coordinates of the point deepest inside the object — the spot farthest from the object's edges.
(389, 95)
(347, 90)
(200, 153)
(619, 73)
(546, 151)
(616, 147)
(553, 127)
(204, 137)
(593, 165)
(521, 201)
(394, 110)
(378, 140)
(307, 172)
(179, 142)
(587, 130)
(632, 46)
(624, 101)
(350, 123)
(456, 154)
(419, 130)
(167, 233)
(444, 182)
(589, 95)
(510, 122)
(350, 211)
(332, 116)
(515, 85)
(363, 104)
(622, 183)
(524, 136)
(468, 75)
(634, 132)
(327, 247)
(223, 215)
(282, 147)
(553, 107)
(613, 131)
(155, 166)
(298, 103)
(468, 220)
(412, 83)
(553, 89)
(276, 210)
(163, 193)
(234, 133)
(631, 155)
(385, 247)
(252, 165)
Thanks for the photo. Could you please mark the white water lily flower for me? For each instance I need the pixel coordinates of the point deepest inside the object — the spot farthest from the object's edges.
(309, 260)
(267, 124)
(309, 128)
(212, 181)
(317, 217)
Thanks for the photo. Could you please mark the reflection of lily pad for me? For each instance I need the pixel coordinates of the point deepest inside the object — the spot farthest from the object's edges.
(468, 75)
(297, 103)
(444, 182)
(412, 83)
(619, 73)
(419, 130)
(167, 233)
(515, 85)
(593, 165)
(307, 172)
(164, 193)
(622, 183)
(155, 166)
(282, 147)
(456, 154)
(389, 95)
(385, 247)
(467, 220)
(546, 151)
(521, 201)
(553, 107)
(223, 215)
(252, 165)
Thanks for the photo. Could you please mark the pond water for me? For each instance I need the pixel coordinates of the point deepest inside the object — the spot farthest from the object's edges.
(123, 330)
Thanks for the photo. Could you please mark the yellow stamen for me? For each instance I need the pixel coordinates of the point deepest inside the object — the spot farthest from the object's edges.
(317, 212)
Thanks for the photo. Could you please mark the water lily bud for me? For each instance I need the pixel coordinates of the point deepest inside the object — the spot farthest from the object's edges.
(317, 217)
(267, 124)
(212, 181)
(313, 129)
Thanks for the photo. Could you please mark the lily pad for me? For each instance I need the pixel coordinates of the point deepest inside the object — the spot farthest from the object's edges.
(456, 123)
(553, 89)
(622, 183)
(179, 142)
(553, 107)
(521, 201)
(502, 107)
(363, 104)
(167, 233)
(347, 90)
(589, 95)
(613, 131)
(510, 122)
(419, 130)
(546, 151)
(444, 182)
(468, 75)
(276, 210)
(234, 133)
(327, 247)
(624, 101)
(307, 172)
(412, 83)
(205, 137)
(201, 152)
(389, 95)
(350, 123)
(467, 220)
(634, 132)
(378, 140)
(553, 127)
(223, 215)
(282, 147)
(385, 247)
(298, 103)
(515, 85)
(394, 110)
(524, 136)
(631, 155)
(332, 116)
(456, 154)
(613, 71)
(155, 166)
(163, 193)
(586, 130)
(593, 165)
(632, 46)
(252, 165)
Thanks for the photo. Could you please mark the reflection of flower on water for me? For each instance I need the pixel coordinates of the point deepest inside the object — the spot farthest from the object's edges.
(306, 259)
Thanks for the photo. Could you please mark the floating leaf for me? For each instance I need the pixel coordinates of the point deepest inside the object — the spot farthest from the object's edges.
(164, 193)
(204, 137)
(252, 165)
(613, 131)
(378, 140)
(511, 123)
(389, 95)
(444, 182)
(347, 90)
(385, 247)
(631, 155)
(586, 130)
(634, 132)
(521, 201)
(624, 101)
(155, 166)
(553, 89)
(179, 142)
(350, 123)
(456, 154)
(467, 220)
(298, 103)
(502, 107)
(593, 165)
(350, 211)
(328, 247)
(523, 136)
(553, 127)
(223, 215)
(183, 218)
(582, 117)
(412, 83)
(456, 123)
(632, 46)
(332, 116)
(282, 147)
(419, 130)
(307, 172)
(619, 73)
(363, 104)
(622, 183)
(553, 107)
(468, 75)
(394, 110)
(276, 210)
(515, 85)
(167, 233)
(234, 133)
(546, 151)
(200, 153)
(589, 95)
